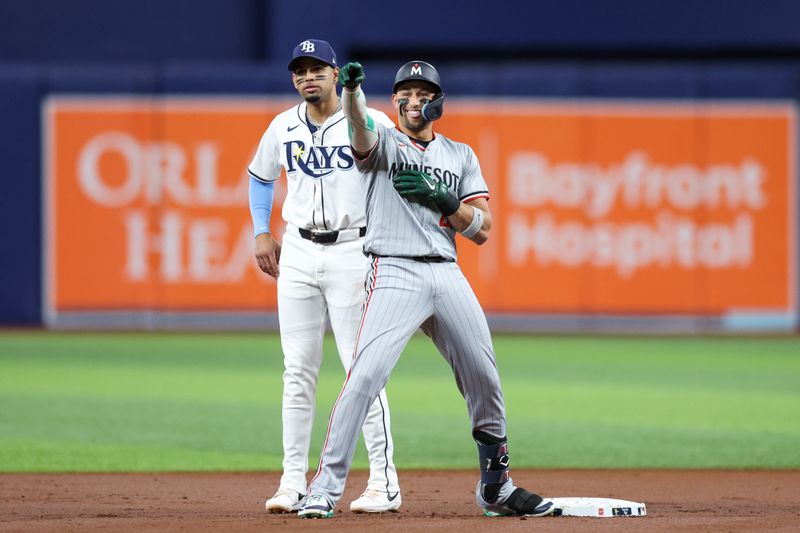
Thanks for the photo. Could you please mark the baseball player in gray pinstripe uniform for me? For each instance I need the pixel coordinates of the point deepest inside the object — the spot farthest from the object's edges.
(422, 189)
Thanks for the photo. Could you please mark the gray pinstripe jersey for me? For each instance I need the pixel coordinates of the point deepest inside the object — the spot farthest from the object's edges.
(398, 227)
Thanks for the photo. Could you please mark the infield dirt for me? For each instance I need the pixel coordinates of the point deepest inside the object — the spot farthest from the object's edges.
(677, 500)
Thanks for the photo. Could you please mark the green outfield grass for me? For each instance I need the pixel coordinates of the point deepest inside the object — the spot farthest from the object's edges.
(152, 402)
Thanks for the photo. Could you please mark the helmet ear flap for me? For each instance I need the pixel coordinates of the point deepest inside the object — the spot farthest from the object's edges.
(434, 109)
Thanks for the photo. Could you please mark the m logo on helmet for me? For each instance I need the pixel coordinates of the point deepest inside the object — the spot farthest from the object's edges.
(307, 46)
(416, 69)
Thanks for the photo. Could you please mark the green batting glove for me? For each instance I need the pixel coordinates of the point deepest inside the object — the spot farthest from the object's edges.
(351, 75)
(413, 184)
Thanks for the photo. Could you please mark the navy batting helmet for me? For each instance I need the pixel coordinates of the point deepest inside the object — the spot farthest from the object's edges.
(422, 71)
(417, 70)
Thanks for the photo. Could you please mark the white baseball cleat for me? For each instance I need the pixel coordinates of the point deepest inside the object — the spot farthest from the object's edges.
(376, 501)
(285, 501)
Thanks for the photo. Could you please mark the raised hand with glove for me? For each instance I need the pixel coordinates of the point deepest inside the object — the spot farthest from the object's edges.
(414, 185)
(360, 125)
(351, 75)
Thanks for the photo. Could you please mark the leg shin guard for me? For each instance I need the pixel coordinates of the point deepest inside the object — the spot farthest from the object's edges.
(493, 458)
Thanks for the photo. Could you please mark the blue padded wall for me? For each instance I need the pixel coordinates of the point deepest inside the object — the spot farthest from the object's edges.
(20, 224)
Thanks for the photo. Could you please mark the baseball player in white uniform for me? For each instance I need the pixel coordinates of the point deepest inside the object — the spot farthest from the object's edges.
(319, 266)
(423, 188)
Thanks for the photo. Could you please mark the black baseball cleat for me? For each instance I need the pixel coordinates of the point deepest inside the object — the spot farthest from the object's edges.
(496, 493)
(519, 503)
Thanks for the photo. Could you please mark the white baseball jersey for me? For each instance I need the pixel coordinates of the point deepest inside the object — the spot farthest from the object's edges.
(325, 190)
(402, 228)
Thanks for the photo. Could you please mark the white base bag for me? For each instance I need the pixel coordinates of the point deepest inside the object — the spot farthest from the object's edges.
(597, 507)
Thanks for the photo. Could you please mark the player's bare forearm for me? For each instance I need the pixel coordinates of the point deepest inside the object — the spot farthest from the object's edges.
(465, 216)
(473, 220)
(360, 126)
(267, 254)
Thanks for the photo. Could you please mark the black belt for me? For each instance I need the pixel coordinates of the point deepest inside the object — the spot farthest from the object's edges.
(330, 236)
(420, 258)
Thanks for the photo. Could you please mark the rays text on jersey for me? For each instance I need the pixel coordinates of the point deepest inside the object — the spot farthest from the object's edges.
(317, 161)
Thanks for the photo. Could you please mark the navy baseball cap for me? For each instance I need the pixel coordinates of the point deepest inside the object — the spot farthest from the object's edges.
(314, 48)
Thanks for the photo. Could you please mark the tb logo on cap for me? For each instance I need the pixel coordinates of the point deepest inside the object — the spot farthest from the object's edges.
(307, 46)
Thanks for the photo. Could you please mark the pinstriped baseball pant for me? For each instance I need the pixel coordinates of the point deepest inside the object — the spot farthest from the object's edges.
(318, 282)
(402, 296)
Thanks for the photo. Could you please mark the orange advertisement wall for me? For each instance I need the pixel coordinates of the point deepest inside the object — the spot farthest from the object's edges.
(635, 208)
(598, 207)
(148, 205)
